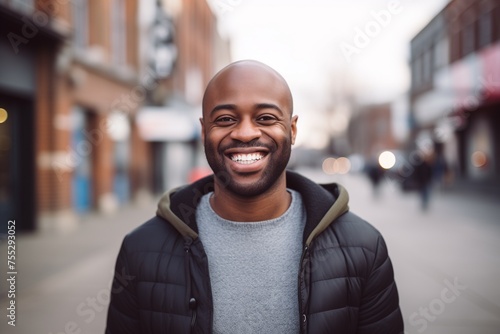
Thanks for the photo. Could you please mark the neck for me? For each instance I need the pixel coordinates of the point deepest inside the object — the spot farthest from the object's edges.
(268, 205)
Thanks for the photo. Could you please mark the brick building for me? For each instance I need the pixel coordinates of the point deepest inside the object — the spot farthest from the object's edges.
(455, 89)
(70, 85)
(370, 130)
(170, 122)
(73, 77)
(30, 38)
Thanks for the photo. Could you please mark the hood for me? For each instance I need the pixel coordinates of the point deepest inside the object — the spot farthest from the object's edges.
(324, 203)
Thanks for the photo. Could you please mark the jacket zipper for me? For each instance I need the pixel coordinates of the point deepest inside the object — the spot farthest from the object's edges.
(192, 303)
(192, 306)
(302, 314)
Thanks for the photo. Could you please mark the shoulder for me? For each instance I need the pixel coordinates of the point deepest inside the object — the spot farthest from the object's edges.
(355, 238)
(153, 235)
(353, 230)
(150, 246)
(350, 247)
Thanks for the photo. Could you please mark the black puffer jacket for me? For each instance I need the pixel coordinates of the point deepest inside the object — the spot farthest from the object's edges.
(346, 282)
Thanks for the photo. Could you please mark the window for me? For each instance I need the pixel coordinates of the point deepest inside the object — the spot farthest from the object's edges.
(468, 39)
(485, 29)
(441, 53)
(427, 66)
(417, 71)
(80, 23)
(381, 127)
(496, 23)
(118, 32)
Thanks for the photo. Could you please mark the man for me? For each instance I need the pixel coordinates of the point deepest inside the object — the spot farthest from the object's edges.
(253, 248)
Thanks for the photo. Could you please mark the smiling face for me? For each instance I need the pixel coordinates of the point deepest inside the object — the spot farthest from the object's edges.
(247, 127)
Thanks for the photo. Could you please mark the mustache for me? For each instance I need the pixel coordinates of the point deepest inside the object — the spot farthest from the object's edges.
(250, 144)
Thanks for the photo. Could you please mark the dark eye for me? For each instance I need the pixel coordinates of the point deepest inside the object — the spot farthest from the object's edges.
(225, 120)
(266, 119)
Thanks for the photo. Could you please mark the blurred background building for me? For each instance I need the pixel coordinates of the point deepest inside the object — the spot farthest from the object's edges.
(455, 90)
(449, 110)
(169, 121)
(370, 130)
(76, 78)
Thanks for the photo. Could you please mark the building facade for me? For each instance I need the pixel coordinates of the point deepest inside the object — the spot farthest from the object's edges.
(28, 47)
(73, 77)
(170, 121)
(455, 90)
(371, 131)
(70, 86)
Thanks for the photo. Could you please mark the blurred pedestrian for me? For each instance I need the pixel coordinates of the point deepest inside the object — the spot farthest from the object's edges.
(440, 170)
(253, 248)
(375, 173)
(424, 177)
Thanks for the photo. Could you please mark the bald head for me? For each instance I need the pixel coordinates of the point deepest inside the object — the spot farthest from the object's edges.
(244, 77)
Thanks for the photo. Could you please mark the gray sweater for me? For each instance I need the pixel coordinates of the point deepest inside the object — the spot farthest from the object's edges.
(253, 269)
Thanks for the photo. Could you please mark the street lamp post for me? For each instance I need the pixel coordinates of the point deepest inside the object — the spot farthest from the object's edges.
(164, 51)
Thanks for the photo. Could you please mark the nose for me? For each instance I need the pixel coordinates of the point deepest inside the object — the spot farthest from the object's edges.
(246, 131)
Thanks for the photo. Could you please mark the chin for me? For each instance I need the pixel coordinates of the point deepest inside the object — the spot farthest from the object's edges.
(253, 189)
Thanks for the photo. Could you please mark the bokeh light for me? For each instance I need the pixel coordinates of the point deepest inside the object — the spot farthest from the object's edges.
(342, 165)
(387, 160)
(3, 115)
(479, 159)
(328, 166)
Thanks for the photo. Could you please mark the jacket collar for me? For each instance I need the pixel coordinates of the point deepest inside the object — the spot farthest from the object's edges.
(323, 203)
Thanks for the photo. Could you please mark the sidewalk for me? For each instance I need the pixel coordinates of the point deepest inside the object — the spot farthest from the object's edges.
(64, 278)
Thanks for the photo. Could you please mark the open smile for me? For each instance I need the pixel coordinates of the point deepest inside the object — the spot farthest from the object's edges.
(246, 159)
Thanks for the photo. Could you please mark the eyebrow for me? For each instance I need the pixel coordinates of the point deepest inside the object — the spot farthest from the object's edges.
(223, 107)
(269, 106)
(257, 106)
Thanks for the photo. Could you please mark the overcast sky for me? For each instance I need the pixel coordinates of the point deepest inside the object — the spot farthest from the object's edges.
(326, 47)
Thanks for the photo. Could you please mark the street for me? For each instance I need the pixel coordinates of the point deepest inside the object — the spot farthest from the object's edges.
(64, 278)
(446, 262)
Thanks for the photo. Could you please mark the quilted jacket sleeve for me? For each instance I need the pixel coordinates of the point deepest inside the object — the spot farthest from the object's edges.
(380, 312)
(123, 312)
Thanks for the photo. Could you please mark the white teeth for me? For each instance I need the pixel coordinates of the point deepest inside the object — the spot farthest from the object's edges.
(246, 158)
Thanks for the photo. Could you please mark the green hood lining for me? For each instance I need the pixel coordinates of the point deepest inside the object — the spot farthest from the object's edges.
(339, 207)
(333, 198)
(165, 212)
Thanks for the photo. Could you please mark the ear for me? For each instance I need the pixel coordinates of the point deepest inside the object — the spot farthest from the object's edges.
(293, 126)
(202, 130)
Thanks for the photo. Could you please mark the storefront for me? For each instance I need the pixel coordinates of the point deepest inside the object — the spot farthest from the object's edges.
(17, 98)
(174, 135)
